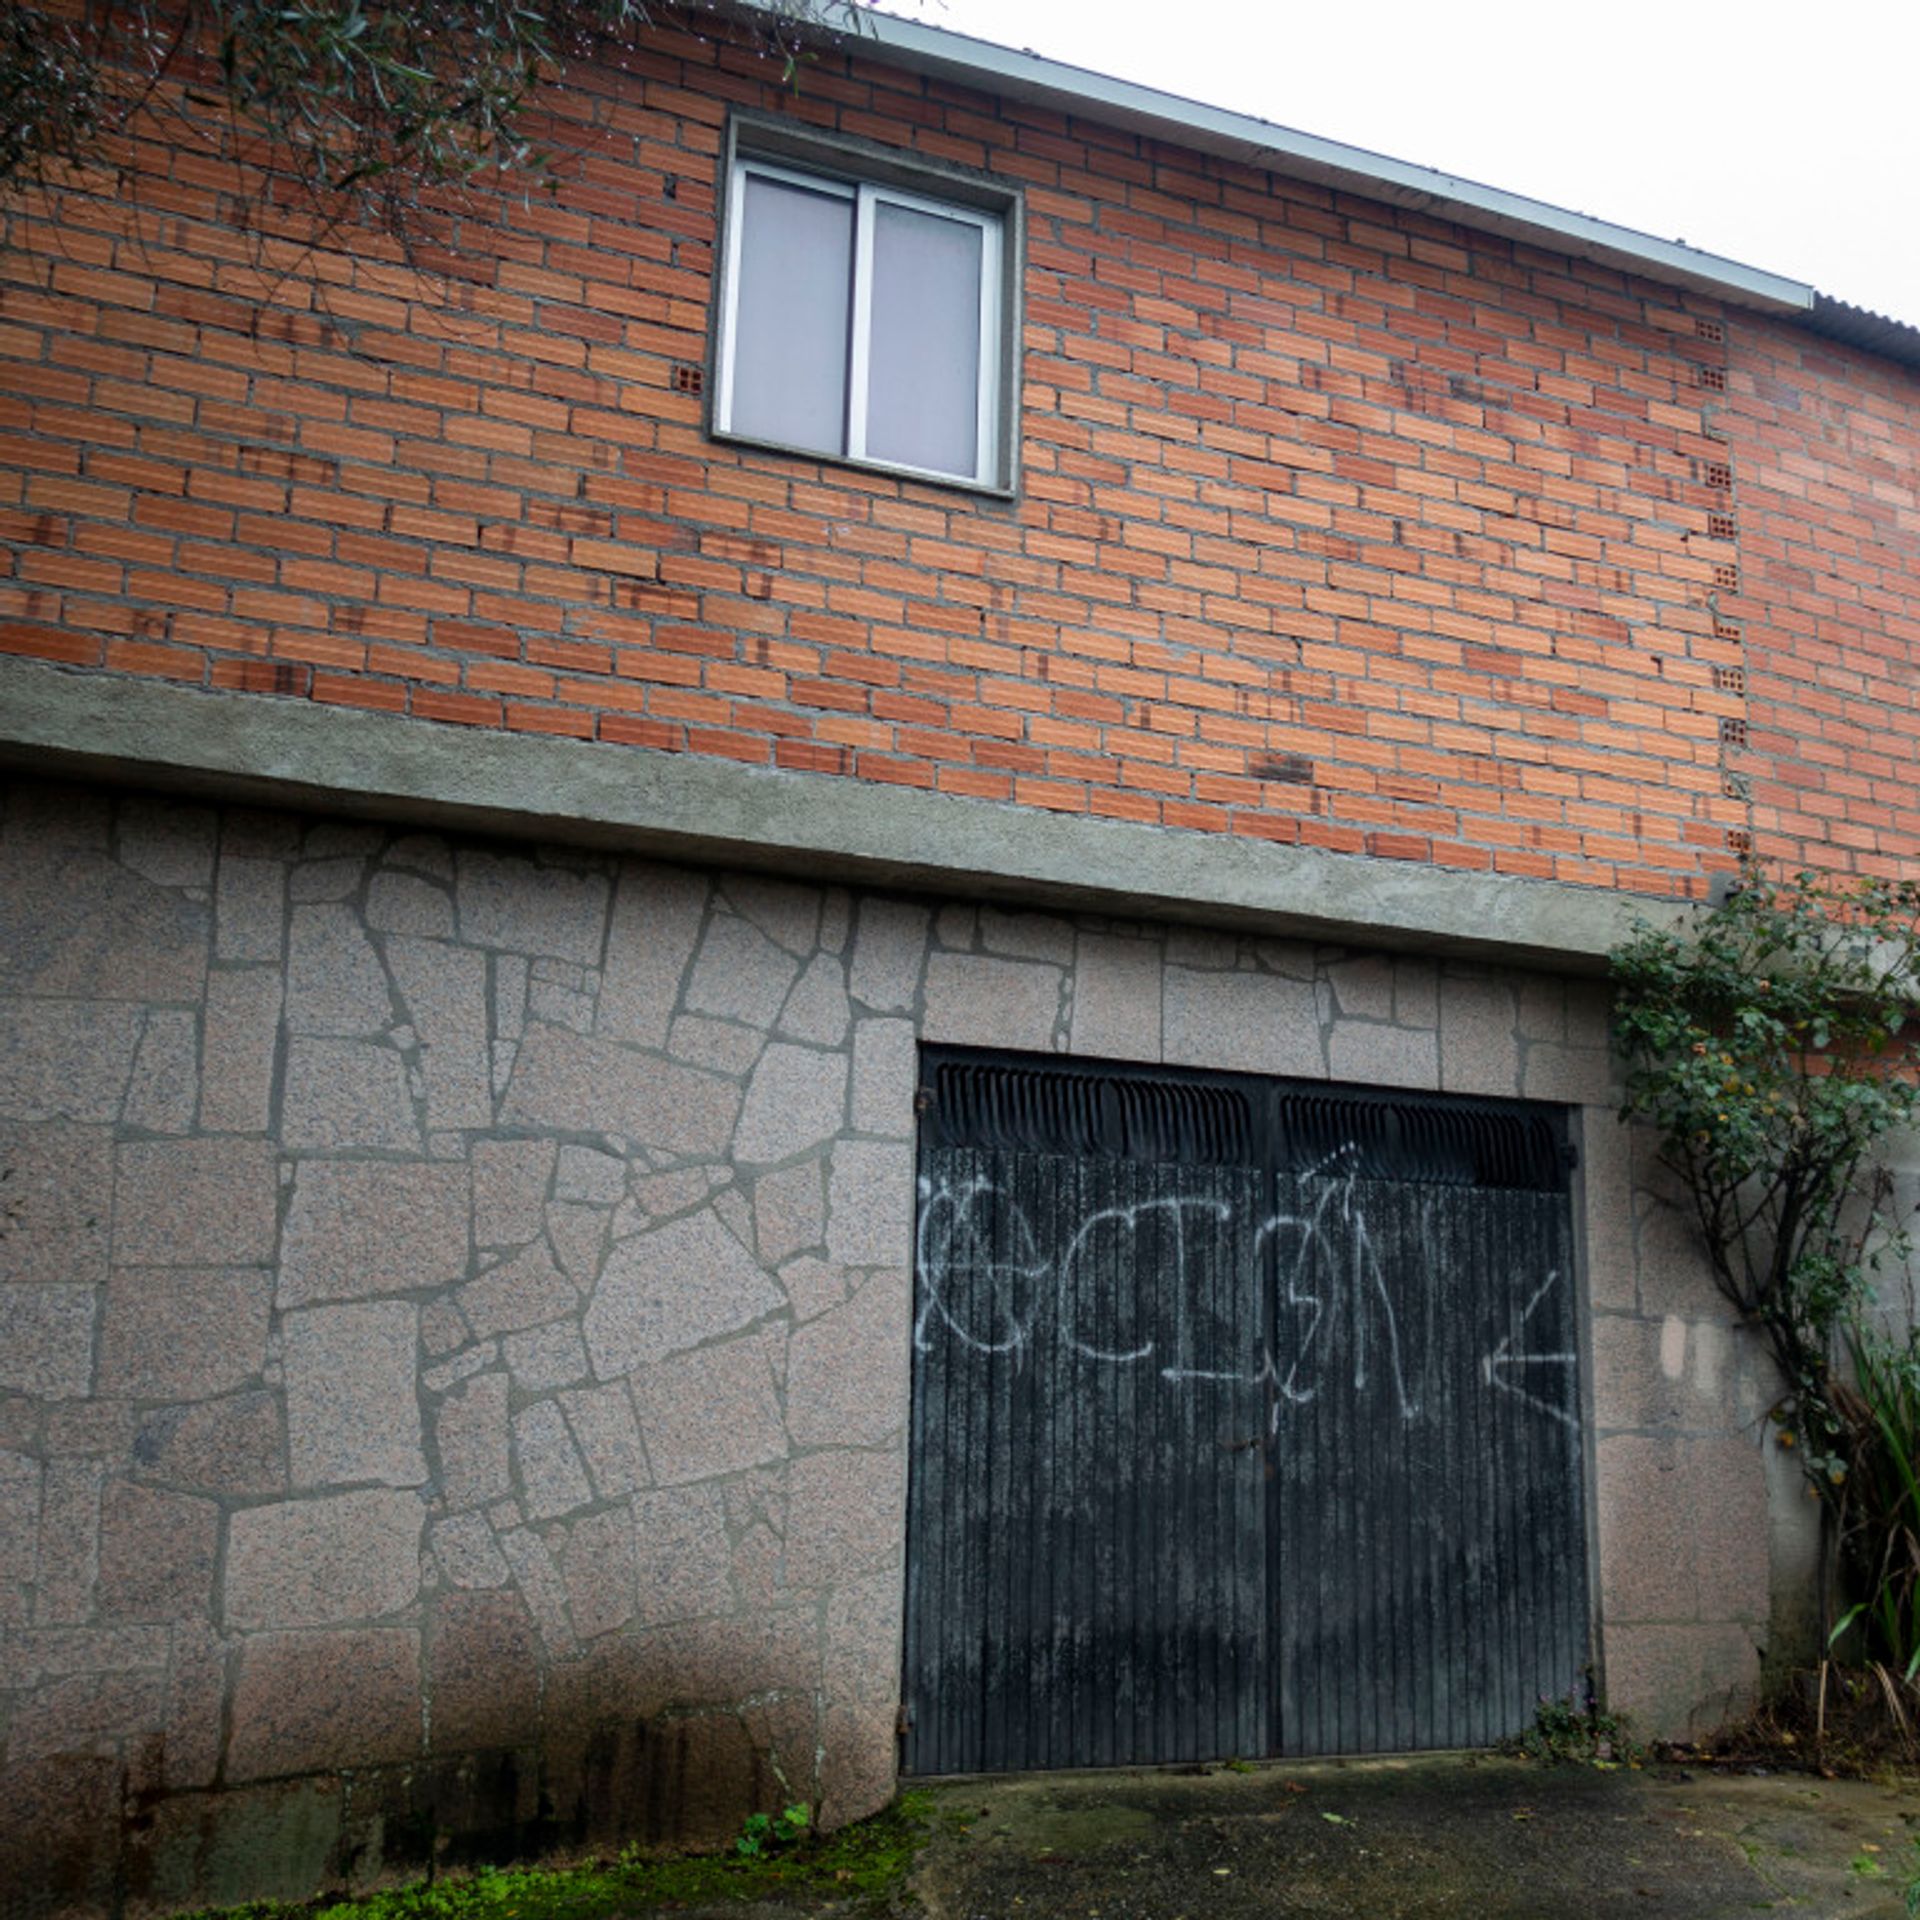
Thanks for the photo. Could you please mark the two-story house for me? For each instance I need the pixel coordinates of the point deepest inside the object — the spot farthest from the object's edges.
(804, 971)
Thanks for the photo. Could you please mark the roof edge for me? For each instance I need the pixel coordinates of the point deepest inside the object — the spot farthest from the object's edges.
(1022, 75)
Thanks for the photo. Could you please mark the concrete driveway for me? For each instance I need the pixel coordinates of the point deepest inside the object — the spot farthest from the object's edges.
(1463, 1837)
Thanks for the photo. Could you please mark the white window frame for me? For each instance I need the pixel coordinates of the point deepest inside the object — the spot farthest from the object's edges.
(992, 468)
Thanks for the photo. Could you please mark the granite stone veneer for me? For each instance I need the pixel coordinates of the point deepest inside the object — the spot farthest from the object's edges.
(454, 1328)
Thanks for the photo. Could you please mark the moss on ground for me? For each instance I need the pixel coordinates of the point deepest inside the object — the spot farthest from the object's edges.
(858, 1870)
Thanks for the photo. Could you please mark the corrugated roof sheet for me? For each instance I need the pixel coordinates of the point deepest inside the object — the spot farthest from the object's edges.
(1858, 327)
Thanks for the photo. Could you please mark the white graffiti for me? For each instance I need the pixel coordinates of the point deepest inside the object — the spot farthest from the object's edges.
(1493, 1366)
(956, 1252)
(1364, 1277)
(956, 1236)
(985, 1281)
(1130, 1218)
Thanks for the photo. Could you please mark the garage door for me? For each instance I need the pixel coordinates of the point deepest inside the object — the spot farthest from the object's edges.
(1246, 1419)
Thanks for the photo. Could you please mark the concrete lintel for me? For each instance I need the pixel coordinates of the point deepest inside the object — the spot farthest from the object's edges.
(282, 752)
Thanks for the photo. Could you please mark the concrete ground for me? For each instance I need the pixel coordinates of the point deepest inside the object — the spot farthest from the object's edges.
(1463, 1837)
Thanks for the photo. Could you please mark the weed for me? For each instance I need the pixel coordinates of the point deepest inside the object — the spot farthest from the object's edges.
(1882, 1508)
(766, 1833)
(1573, 1732)
(858, 1869)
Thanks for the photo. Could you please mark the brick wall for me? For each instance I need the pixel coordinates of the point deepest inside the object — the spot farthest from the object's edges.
(1339, 525)
(1826, 452)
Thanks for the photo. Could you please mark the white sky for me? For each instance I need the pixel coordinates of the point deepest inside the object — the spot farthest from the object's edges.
(1784, 137)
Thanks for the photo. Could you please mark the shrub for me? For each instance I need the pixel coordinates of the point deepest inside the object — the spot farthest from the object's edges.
(1763, 1042)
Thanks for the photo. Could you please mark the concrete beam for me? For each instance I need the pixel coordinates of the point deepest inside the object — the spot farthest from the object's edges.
(280, 752)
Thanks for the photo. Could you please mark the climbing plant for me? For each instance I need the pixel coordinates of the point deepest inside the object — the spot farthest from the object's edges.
(1766, 1042)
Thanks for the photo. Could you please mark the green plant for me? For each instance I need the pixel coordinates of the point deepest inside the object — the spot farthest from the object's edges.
(766, 1833)
(362, 106)
(1761, 1043)
(1880, 1398)
(1576, 1731)
(856, 1870)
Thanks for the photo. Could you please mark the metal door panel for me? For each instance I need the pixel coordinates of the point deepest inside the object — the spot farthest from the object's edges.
(1429, 1545)
(1245, 1420)
(1087, 1577)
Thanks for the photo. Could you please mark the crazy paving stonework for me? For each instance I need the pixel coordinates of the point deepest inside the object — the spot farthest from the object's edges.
(455, 1322)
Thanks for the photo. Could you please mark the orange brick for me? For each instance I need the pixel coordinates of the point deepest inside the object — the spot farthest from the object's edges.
(461, 709)
(34, 642)
(559, 720)
(382, 695)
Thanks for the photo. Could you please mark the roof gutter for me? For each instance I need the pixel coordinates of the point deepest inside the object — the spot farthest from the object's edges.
(1020, 75)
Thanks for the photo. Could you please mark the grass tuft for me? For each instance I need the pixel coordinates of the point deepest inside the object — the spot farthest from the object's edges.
(859, 1870)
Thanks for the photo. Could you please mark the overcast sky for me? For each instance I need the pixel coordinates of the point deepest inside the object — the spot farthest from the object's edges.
(1782, 137)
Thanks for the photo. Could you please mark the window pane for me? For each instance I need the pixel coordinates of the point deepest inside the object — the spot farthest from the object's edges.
(923, 388)
(791, 316)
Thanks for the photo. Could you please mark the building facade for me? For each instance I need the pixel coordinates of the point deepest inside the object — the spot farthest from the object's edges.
(528, 766)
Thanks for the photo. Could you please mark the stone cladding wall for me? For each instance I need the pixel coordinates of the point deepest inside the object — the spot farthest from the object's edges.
(454, 1327)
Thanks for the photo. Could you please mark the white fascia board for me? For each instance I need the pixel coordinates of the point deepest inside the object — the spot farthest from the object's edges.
(1020, 75)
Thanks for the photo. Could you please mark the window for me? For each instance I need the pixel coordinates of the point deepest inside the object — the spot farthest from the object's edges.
(866, 320)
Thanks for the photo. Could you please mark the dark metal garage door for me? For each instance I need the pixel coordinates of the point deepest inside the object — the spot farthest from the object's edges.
(1245, 1419)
